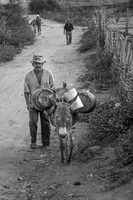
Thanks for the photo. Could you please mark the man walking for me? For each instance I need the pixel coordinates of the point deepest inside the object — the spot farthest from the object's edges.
(68, 28)
(35, 79)
(38, 24)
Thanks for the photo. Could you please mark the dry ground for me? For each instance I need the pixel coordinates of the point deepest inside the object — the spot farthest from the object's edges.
(27, 174)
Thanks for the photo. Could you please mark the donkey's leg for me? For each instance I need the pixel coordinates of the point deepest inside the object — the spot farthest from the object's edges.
(71, 146)
(62, 149)
(66, 150)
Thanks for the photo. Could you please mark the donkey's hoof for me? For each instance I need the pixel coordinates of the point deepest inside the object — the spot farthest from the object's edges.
(62, 161)
(67, 161)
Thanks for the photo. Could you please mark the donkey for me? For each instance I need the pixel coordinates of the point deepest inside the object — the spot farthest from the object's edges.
(63, 119)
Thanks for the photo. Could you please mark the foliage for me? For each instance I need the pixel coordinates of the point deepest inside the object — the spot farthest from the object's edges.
(124, 149)
(105, 71)
(36, 6)
(15, 31)
(131, 3)
(7, 53)
(120, 171)
(101, 71)
(110, 125)
(77, 15)
(89, 38)
(107, 123)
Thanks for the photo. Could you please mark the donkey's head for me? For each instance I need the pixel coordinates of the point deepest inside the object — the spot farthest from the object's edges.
(63, 118)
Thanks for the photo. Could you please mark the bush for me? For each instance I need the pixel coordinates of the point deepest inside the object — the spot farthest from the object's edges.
(14, 31)
(101, 71)
(78, 15)
(124, 149)
(105, 75)
(131, 3)
(89, 38)
(36, 6)
(7, 53)
(109, 124)
(20, 33)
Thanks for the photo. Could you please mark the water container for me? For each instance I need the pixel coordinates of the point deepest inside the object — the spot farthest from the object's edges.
(88, 100)
(69, 96)
(40, 99)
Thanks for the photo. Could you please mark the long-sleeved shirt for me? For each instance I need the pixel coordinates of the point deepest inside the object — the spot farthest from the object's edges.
(31, 83)
(68, 27)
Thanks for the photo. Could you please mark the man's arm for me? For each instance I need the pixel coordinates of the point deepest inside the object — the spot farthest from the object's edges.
(27, 94)
(64, 32)
(72, 27)
(64, 29)
(28, 102)
(51, 80)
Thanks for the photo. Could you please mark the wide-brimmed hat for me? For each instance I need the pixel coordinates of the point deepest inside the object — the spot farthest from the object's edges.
(37, 59)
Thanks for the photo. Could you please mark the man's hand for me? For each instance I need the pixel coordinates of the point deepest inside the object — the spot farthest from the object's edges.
(29, 106)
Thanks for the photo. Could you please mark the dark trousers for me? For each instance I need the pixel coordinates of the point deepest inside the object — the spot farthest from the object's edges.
(68, 37)
(45, 127)
(39, 29)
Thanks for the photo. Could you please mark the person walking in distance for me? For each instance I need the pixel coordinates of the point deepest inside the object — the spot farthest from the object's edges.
(35, 79)
(33, 24)
(38, 24)
(68, 28)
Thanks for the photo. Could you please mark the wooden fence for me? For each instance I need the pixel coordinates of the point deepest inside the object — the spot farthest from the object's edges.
(119, 43)
(121, 46)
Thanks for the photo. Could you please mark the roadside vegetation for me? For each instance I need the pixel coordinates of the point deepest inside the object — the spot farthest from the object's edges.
(15, 33)
(50, 9)
(110, 125)
(78, 15)
(40, 6)
(87, 41)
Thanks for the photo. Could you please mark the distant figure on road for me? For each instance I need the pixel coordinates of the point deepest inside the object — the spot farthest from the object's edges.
(68, 28)
(33, 23)
(35, 79)
(38, 24)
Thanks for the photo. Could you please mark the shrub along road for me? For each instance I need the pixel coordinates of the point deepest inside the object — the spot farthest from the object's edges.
(33, 174)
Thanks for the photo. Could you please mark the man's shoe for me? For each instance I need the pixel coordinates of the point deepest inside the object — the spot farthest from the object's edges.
(46, 147)
(33, 145)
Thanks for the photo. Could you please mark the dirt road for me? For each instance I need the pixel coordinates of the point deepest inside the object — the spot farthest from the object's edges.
(33, 174)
